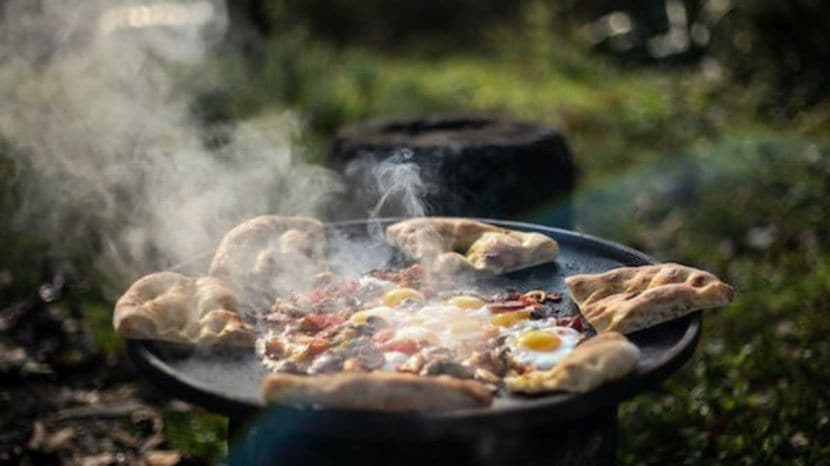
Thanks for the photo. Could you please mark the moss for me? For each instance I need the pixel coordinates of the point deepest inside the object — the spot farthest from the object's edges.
(196, 433)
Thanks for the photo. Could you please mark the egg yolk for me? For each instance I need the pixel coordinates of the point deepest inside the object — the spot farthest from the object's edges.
(507, 319)
(466, 302)
(399, 295)
(539, 340)
(360, 317)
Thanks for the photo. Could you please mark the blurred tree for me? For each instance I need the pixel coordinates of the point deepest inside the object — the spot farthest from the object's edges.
(781, 48)
(382, 24)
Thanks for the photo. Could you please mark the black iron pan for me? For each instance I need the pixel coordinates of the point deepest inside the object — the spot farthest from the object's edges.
(230, 385)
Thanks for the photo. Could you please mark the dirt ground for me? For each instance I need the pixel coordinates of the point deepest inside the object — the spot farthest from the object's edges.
(65, 400)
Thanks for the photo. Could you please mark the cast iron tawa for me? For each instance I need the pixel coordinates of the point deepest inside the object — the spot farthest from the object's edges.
(230, 384)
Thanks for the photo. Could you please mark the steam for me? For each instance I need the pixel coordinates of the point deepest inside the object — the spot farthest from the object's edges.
(107, 153)
(399, 181)
(109, 160)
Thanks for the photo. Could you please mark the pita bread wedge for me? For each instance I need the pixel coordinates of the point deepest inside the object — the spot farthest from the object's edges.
(628, 299)
(375, 391)
(172, 307)
(453, 246)
(270, 255)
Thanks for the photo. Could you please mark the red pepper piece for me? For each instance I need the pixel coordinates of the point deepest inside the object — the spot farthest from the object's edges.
(317, 322)
(317, 346)
(274, 349)
(574, 322)
(505, 306)
(406, 346)
(316, 295)
(382, 336)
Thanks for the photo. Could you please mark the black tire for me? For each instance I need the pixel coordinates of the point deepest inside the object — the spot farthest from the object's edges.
(473, 165)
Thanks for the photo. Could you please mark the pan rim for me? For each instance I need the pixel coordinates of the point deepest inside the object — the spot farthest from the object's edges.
(566, 406)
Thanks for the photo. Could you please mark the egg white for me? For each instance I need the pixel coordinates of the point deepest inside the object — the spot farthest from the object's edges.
(541, 359)
(444, 325)
(393, 359)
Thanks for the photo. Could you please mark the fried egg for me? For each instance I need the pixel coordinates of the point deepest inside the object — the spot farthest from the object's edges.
(540, 343)
(390, 315)
(445, 325)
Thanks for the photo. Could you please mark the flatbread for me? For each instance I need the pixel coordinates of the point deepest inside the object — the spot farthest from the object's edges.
(450, 246)
(271, 255)
(172, 307)
(628, 299)
(375, 391)
(599, 360)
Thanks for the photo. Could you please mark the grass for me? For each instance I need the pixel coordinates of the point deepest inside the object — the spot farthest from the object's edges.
(754, 393)
(641, 114)
(197, 432)
(672, 163)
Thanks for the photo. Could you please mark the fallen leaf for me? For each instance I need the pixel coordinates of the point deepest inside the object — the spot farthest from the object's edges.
(162, 457)
(798, 439)
(152, 442)
(38, 436)
(59, 439)
(125, 438)
(103, 459)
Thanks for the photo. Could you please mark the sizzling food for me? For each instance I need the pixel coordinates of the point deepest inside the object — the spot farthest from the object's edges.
(411, 337)
(451, 246)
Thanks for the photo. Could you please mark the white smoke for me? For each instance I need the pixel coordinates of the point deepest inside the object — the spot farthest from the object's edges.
(399, 183)
(96, 110)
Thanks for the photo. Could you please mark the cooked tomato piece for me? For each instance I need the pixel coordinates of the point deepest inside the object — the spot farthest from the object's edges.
(406, 346)
(317, 322)
(317, 346)
(384, 335)
(574, 322)
(316, 295)
(407, 278)
(505, 306)
(274, 348)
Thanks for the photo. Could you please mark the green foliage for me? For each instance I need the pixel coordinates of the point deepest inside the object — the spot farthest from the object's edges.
(382, 24)
(751, 209)
(780, 47)
(196, 432)
(756, 394)
(638, 114)
(98, 316)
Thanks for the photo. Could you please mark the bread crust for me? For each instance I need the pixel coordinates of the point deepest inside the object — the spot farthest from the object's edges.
(375, 391)
(172, 307)
(270, 255)
(599, 360)
(453, 246)
(628, 299)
